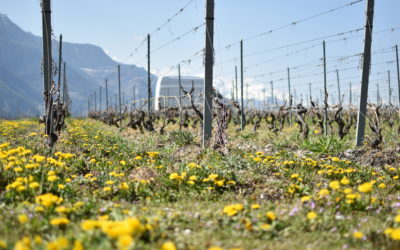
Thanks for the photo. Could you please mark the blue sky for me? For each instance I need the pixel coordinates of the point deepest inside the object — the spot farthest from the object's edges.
(119, 27)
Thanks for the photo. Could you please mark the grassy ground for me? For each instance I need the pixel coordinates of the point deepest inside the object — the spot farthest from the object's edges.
(104, 188)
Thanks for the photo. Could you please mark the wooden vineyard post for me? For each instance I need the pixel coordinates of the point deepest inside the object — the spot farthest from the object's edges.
(119, 96)
(208, 74)
(242, 120)
(362, 109)
(325, 93)
(47, 72)
(148, 76)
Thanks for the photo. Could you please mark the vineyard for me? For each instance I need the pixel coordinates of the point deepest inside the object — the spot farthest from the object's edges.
(131, 157)
(271, 185)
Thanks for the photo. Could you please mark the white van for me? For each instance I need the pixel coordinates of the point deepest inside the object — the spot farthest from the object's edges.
(167, 91)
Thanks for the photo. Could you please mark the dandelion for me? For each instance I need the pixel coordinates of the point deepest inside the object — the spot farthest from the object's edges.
(138, 157)
(345, 181)
(153, 154)
(124, 241)
(18, 169)
(59, 221)
(39, 209)
(335, 159)
(257, 159)
(22, 218)
(175, 176)
(212, 177)
(88, 225)
(395, 234)
(52, 178)
(365, 188)
(34, 185)
(323, 192)
(334, 185)
(124, 186)
(265, 226)
(255, 206)
(271, 215)
(311, 215)
(358, 235)
(169, 245)
(47, 200)
(232, 210)
(220, 183)
(347, 191)
(388, 231)
(38, 240)
(62, 209)
(31, 166)
(215, 248)
(305, 198)
(78, 245)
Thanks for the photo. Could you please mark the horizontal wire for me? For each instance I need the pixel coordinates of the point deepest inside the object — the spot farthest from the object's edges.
(293, 23)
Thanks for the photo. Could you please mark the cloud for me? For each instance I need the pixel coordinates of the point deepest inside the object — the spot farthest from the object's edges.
(138, 37)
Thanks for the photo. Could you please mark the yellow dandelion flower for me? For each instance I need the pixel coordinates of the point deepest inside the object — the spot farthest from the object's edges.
(23, 218)
(345, 181)
(34, 185)
(311, 215)
(305, 198)
(365, 188)
(169, 245)
(215, 248)
(323, 192)
(358, 235)
(271, 215)
(78, 245)
(265, 226)
(334, 185)
(232, 210)
(395, 234)
(59, 221)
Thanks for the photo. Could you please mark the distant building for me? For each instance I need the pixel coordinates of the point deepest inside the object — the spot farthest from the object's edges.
(167, 91)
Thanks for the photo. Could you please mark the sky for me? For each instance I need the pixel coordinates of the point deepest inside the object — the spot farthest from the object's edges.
(119, 27)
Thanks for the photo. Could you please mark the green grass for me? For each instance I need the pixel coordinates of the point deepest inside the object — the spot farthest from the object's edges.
(178, 191)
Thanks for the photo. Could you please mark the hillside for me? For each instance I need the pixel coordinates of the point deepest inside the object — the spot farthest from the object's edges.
(87, 66)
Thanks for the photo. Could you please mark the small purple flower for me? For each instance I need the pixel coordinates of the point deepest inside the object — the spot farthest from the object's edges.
(396, 205)
(293, 211)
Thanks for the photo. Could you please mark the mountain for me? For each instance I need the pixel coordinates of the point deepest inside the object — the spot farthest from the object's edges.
(21, 82)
